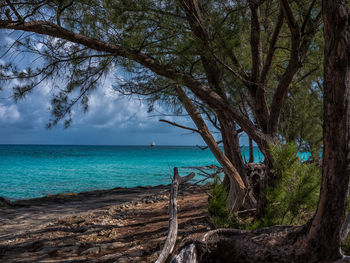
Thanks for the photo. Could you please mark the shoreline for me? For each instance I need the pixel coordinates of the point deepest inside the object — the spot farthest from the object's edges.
(98, 226)
(70, 196)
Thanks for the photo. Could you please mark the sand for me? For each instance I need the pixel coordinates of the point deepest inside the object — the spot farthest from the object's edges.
(118, 225)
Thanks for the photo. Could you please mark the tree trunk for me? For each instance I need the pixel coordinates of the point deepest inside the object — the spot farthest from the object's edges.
(320, 239)
(325, 230)
(230, 142)
(237, 188)
(251, 150)
(233, 152)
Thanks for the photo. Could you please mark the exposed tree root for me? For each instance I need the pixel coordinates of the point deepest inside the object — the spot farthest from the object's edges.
(278, 244)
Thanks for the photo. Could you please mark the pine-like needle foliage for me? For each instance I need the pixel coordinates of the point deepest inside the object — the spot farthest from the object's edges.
(294, 196)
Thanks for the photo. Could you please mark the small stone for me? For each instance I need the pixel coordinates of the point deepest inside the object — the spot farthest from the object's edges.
(135, 253)
(123, 260)
(109, 257)
(116, 244)
(69, 250)
(92, 250)
(153, 257)
(119, 224)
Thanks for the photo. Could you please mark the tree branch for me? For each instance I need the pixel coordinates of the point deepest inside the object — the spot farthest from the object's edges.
(272, 47)
(204, 93)
(19, 17)
(179, 125)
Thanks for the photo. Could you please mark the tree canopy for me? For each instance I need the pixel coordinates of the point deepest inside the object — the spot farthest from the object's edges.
(235, 61)
(252, 66)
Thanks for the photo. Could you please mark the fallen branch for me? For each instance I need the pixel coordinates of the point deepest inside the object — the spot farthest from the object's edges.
(173, 225)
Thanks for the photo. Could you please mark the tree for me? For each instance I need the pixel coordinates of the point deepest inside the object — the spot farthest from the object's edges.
(319, 240)
(201, 83)
(234, 61)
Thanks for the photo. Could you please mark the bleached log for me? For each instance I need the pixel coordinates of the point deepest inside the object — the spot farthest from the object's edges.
(173, 225)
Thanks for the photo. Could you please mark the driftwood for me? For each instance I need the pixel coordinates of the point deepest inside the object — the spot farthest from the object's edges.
(173, 225)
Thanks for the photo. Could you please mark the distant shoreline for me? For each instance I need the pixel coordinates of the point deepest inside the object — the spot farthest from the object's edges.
(107, 145)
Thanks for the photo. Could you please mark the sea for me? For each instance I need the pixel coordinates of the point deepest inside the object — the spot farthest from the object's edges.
(30, 171)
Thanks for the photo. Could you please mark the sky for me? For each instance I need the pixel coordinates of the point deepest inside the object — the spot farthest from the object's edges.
(112, 119)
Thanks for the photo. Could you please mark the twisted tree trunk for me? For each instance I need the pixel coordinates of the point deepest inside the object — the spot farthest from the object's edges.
(237, 188)
(232, 150)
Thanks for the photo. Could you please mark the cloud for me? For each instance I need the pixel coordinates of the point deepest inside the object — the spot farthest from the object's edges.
(111, 119)
(9, 114)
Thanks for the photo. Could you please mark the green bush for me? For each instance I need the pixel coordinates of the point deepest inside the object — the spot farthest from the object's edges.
(219, 212)
(346, 245)
(291, 201)
(294, 196)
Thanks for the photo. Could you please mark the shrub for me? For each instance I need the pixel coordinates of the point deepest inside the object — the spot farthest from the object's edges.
(293, 198)
(219, 212)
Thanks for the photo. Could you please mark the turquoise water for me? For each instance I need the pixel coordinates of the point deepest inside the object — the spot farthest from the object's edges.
(28, 171)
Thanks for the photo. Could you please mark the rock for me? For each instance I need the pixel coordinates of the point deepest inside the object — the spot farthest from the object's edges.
(5, 203)
(117, 244)
(136, 253)
(110, 257)
(153, 257)
(47, 250)
(119, 224)
(91, 251)
(113, 245)
(123, 260)
(80, 229)
(76, 220)
(69, 242)
(70, 250)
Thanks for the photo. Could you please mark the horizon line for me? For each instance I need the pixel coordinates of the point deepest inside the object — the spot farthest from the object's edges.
(126, 145)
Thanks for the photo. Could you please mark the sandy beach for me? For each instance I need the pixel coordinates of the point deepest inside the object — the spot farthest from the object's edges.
(117, 225)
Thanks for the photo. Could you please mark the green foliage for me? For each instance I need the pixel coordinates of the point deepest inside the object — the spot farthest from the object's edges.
(293, 198)
(301, 120)
(219, 212)
(346, 246)
(162, 31)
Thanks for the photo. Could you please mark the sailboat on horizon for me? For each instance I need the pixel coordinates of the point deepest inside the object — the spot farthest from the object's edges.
(153, 144)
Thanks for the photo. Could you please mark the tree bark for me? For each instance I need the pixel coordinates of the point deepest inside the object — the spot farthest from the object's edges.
(251, 151)
(230, 142)
(320, 239)
(232, 150)
(237, 188)
(325, 230)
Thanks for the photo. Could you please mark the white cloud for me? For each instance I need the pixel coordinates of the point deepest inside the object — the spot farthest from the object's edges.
(39, 46)
(9, 40)
(9, 113)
